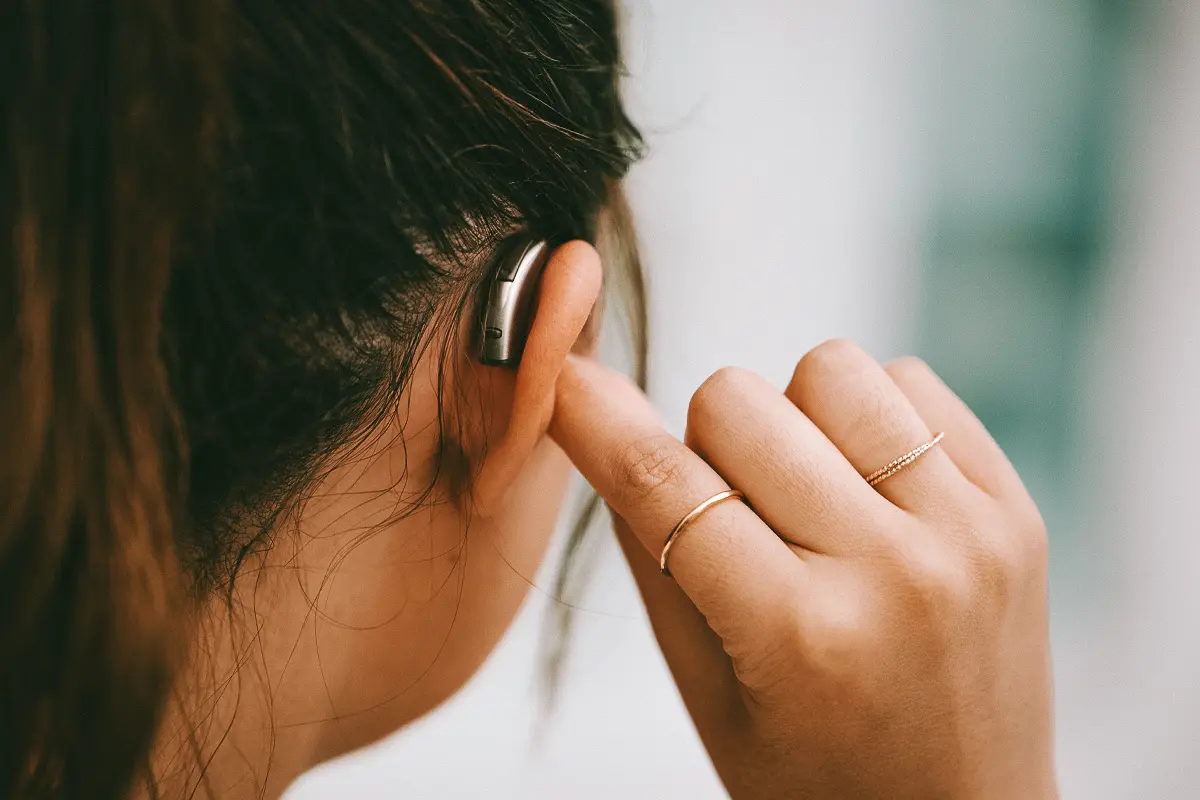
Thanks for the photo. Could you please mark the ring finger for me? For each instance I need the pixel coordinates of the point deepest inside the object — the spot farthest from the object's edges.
(861, 410)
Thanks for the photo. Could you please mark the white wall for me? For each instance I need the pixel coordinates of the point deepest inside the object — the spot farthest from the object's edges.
(780, 206)
(1129, 676)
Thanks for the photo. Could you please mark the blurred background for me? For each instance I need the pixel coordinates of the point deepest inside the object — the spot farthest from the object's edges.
(1008, 188)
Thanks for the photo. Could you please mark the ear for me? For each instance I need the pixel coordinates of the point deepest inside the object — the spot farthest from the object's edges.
(570, 287)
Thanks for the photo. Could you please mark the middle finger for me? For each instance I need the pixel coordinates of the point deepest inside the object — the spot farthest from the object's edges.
(793, 476)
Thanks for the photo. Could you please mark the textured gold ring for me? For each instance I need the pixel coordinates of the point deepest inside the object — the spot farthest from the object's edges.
(692, 516)
(908, 459)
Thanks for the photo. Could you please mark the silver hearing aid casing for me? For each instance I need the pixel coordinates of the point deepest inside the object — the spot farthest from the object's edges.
(510, 306)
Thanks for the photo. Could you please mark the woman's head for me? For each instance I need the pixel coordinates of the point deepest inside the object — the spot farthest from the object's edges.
(248, 461)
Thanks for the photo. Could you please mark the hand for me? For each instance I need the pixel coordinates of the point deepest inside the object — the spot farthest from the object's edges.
(830, 639)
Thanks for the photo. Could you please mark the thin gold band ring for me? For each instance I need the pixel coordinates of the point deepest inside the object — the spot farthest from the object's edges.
(692, 516)
(908, 459)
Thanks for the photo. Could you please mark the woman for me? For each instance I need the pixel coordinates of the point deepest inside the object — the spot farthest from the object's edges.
(262, 504)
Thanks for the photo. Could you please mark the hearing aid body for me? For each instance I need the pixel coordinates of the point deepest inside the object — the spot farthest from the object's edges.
(511, 302)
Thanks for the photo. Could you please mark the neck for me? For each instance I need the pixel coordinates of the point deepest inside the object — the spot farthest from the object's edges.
(332, 641)
(220, 738)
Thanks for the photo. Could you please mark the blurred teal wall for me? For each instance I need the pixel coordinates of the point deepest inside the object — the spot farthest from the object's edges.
(1029, 107)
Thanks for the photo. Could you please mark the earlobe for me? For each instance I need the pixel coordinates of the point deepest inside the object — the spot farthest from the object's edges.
(570, 287)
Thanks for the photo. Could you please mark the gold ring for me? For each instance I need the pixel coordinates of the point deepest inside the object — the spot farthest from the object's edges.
(691, 517)
(908, 459)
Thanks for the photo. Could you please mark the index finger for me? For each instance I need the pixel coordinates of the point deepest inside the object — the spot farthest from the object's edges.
(727, 561)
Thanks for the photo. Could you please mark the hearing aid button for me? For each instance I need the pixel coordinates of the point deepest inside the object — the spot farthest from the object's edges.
(493, 333)
(517, 257)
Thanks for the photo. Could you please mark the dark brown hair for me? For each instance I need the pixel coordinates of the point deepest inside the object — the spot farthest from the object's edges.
(204, 202)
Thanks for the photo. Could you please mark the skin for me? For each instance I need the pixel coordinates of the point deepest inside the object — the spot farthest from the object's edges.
(836, 641)
(356, 623)
(832, 640)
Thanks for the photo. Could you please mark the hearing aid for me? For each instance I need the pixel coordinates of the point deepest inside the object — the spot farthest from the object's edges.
(508, 313)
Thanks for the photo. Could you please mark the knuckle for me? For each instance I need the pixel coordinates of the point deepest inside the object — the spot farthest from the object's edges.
(837, 650)
(649, 466)
(836, 350)
(713, 399)
(771, 661)
(813, 364)
(937, 582)
(909, 370)
(1037, 542)
(827, 356)
(1027, 551)
(835, 369)
(837, 646)
(767, 649)
(823, 635)
(995, 568)
(1014, 552)
(1033, 533)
